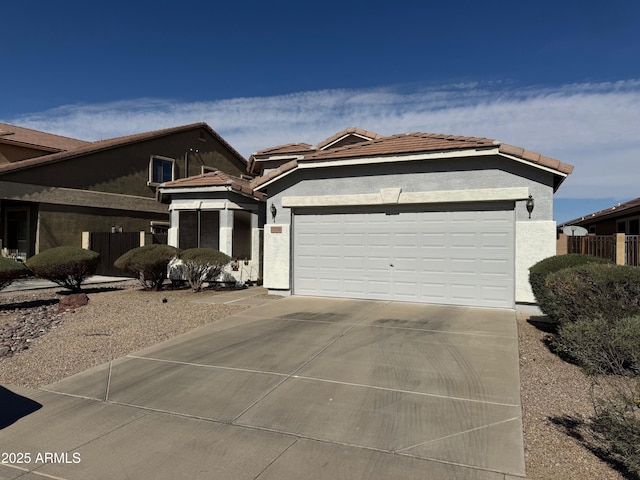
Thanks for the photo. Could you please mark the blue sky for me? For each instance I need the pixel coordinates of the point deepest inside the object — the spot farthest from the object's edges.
(558, 77)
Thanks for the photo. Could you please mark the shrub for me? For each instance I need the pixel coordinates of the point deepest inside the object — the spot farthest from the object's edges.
(66, 266)
(619, 422)
(148, 264)
(609, 352)
(202, 264)
(541, 270)
(602, 346)
(11, 270)
(593, 291)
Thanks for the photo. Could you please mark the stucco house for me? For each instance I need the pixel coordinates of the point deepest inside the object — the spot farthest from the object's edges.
(619, 218)
(19, 143)
(68, 186)
(415, 217)
(221, 211)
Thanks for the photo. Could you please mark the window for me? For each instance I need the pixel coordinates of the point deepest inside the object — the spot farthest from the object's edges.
(206, 169)
(160, 170)
(241, 235)
(199, 229)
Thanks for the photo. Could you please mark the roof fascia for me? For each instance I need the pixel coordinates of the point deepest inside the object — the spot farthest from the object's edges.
(33, 146)
(380, 160)
(327, 146)
(168, 191)
(412, 157)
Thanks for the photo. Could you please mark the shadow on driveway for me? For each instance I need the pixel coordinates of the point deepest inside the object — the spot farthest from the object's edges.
(13, 407)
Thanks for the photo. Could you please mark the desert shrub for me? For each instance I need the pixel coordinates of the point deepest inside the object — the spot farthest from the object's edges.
(619, 422)
(202, 264)
(541, 270)
(10, 270)
(602, 346)
(66, 266)
(148, 264)
(593, 291)
(609, 352)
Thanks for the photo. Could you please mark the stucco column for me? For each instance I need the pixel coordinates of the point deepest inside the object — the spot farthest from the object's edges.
(535, 241)
(226, 232)
(277, 251)
(621, 254)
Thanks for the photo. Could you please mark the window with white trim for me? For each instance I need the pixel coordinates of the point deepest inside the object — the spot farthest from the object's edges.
(161, 169)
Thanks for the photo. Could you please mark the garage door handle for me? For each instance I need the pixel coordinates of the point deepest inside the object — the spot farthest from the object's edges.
(391, 264)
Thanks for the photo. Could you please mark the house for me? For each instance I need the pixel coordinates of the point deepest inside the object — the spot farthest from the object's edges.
(413, 217)
(55, 188)
(19, 143)
(620, 218)
(221, 211)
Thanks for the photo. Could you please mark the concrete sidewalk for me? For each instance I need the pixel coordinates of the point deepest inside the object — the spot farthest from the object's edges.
(303, 387)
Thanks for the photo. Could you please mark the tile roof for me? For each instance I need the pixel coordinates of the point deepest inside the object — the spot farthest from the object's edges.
(632, 206)
(213, 179)
(415, 143)
(113, 143)
(288, 149)
(37, 139)
(404, 143)
(344, 133)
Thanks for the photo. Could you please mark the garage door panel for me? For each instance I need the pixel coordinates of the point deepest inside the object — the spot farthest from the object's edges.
(458, 257)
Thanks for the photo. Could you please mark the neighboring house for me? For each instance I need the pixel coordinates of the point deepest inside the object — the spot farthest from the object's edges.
(19, 143)
(221, 211)
(49, 200)
(414, 217)
(620, 218)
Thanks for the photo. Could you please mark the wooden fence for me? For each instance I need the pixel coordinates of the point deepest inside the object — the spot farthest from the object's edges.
(621, 249)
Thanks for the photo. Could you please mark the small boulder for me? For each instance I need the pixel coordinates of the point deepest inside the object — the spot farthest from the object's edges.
(73, 301)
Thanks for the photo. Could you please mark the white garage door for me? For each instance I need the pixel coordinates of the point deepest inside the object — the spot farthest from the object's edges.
(457, 256)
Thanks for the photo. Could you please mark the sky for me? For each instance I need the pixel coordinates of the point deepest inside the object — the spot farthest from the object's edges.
(557, 77)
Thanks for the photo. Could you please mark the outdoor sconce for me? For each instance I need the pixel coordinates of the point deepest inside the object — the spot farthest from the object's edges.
(274, 210)
(246, 262)
(530, 205)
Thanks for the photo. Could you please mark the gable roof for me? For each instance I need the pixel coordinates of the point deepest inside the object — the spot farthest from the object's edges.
(102, 145)
(292, 151)
(619, 210)
(351, 131)
(39, 140)
(417, 143)
(217, 178)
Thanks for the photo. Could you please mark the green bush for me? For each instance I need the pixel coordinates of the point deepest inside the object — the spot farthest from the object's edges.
(541, 270)
(593, 291)
(148, 264)
(201, 265)
(602, 346)
(66, 266)
(619, 422)
(11, 270)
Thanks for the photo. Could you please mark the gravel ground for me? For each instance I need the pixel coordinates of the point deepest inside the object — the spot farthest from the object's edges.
(113, 324)
(121, 318)
(556, 407)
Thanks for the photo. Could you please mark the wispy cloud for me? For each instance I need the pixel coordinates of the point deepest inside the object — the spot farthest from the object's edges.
(593, 126)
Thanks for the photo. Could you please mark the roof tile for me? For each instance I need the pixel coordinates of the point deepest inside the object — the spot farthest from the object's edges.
(94, 147)
(35, 138)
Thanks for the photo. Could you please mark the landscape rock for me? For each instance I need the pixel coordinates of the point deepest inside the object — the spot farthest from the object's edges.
(30, 323)
(73, 301)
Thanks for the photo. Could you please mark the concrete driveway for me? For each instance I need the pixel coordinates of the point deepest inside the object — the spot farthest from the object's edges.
(303, 387)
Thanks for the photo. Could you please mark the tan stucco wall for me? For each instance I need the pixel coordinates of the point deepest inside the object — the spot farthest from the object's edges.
(59, 225)
(125, 170)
